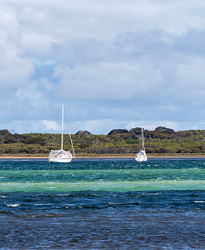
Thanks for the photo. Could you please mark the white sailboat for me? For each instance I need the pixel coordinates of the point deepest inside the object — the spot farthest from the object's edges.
(141, 155)
(61, 155)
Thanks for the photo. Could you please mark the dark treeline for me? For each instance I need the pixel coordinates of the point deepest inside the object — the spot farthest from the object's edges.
(118, 141)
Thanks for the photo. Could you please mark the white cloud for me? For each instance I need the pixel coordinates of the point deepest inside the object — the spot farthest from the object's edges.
(109, 61)
(107, 81)
(36, 44)
(167, 124)
(50, 126)
(30, 96)
(14, 68)
(94, 126)
(106, 125)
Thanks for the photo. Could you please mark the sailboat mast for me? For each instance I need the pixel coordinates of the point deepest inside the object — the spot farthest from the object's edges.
(142, 135)
(62, 127)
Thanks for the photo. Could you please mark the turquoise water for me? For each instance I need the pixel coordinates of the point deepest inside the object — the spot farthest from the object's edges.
(102, 204)
(102, 175)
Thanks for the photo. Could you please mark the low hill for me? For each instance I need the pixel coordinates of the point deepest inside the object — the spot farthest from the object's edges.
(162, 140)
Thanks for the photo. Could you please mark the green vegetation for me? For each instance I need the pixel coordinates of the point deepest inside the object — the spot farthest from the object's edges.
(161, 141)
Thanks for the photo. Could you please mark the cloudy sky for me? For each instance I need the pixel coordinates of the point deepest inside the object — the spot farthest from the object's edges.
(108, 61)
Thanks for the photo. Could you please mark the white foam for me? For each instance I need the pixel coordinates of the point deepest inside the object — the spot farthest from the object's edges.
(13, 205)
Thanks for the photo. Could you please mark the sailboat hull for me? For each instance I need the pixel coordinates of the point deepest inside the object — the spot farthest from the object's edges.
(61, 160)
(60, 156)
(141, 156)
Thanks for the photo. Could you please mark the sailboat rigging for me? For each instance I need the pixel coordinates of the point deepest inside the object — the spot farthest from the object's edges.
(62, 155)
(141, 155)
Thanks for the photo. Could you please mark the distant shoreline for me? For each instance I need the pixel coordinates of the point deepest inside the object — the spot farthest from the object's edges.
(105, 156)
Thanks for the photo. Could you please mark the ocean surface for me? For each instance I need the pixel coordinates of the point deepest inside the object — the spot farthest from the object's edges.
(102, 204)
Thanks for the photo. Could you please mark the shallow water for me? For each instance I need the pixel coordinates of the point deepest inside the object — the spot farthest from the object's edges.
(102, 204)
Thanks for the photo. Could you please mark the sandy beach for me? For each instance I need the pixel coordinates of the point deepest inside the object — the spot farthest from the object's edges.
(101, 156)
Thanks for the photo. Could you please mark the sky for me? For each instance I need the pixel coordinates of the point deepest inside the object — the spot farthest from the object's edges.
(109, 61)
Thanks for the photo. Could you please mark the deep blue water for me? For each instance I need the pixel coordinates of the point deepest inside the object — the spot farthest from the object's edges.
(102, 204)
